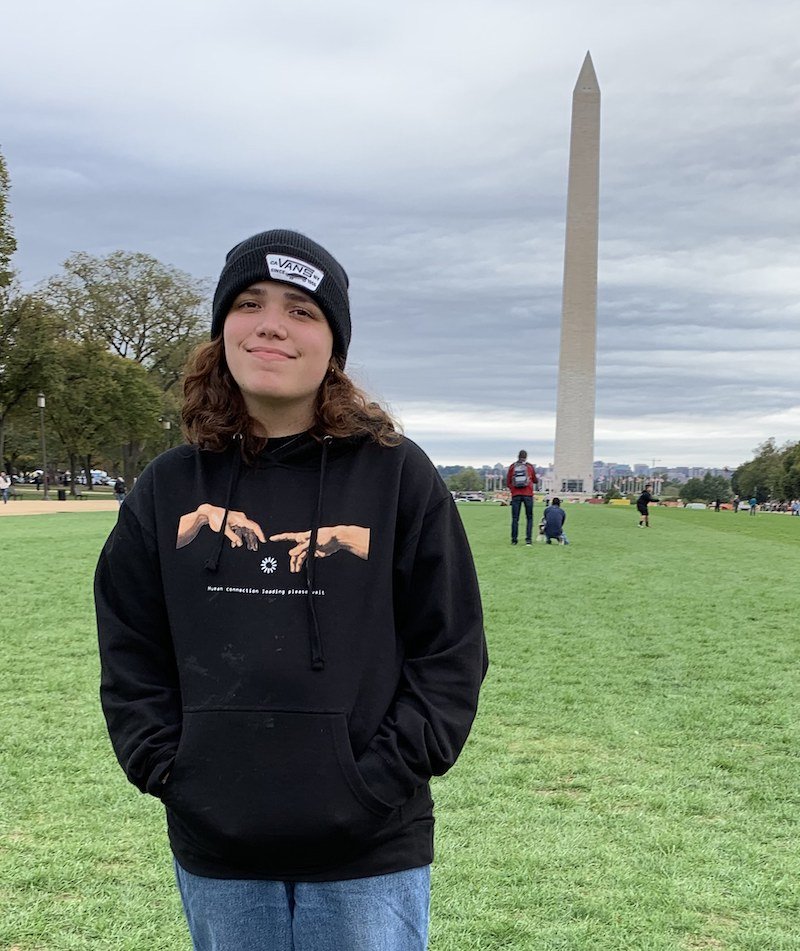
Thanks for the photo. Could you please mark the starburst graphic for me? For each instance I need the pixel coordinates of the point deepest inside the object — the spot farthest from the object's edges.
(268, 565)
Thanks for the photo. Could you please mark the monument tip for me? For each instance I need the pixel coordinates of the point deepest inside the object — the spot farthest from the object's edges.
(587, 78)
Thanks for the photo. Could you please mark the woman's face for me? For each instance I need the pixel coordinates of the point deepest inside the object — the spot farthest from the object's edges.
(278, 346)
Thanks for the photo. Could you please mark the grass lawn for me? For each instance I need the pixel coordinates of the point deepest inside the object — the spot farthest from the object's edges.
(632, 781)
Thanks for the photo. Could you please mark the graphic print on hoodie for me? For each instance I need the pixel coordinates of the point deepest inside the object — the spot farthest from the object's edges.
(241, 530)
(296, 706)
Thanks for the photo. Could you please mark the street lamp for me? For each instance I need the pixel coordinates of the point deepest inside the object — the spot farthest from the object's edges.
(40, 402)
(166, 425)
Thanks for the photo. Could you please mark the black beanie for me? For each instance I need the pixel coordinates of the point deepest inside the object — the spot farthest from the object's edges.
(293, 259)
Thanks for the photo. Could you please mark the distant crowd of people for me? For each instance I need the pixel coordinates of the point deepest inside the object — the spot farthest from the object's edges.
(58, 478)
(521, 482)
(790, 506)
(785, 506)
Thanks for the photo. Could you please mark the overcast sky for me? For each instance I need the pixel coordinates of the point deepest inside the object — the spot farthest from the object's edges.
(426, 146)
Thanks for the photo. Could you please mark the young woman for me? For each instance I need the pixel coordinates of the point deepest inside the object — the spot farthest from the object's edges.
(290, 629)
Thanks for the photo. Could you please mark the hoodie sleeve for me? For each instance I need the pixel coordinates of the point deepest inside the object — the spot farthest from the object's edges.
(139, 688)
(439, 618)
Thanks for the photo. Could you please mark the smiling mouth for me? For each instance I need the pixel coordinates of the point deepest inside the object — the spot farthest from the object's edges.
(266, 354)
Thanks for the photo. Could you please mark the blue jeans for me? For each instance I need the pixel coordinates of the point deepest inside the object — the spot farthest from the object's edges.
(383, 913)
(516, 502)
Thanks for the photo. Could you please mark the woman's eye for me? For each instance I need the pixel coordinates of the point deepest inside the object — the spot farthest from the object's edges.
(301, 312)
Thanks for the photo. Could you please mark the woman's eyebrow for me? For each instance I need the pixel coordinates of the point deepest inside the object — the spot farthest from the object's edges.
(300, 298)
(257, 291)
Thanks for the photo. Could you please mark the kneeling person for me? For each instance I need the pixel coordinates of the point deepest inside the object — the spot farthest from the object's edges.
(554, 518)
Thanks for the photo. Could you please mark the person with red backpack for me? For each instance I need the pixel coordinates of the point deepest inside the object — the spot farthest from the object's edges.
(520, 479)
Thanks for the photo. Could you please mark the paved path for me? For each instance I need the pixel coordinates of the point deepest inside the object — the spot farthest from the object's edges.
(40, 507)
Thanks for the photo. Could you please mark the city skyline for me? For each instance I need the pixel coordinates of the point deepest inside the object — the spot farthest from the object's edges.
(619, 468)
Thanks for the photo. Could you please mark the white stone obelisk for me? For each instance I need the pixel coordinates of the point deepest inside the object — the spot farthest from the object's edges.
(574, 449)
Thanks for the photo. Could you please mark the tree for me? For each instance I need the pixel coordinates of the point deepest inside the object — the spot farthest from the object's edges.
(446, 471)
(138, 307)
(791, 466)
(468, 480)
(103, 404)
(8, 244)
(716, 487)
(19, 361)
(764, 476)
(671, 490)
(134, 417)
(708, 489)
(693, 491)
(22, 448)
(28, 330)
(100, 400)
(141, 310)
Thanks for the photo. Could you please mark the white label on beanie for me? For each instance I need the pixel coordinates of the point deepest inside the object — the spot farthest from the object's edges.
(283, 268)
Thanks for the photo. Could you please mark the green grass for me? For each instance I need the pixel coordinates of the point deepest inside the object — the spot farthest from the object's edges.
(631, 783)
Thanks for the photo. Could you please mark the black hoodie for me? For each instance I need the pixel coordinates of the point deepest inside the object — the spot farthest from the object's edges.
(290, 723)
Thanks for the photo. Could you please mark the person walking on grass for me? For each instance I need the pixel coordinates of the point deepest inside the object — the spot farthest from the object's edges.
(119, 490)
(290, 629)
(753, 505)
(642, 503)
(5, 486)
(521, 479)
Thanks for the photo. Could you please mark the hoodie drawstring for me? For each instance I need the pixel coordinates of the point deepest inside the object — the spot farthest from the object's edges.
(314, 635)
(212, 563)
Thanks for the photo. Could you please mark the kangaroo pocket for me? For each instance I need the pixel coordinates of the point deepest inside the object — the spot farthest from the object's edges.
(269, 789)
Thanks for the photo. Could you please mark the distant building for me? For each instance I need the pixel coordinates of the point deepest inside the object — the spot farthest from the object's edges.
(725, 472)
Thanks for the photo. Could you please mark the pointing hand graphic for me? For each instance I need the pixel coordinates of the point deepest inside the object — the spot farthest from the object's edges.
(330, 539)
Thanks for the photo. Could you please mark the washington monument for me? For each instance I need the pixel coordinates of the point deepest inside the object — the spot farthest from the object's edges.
(574, 450)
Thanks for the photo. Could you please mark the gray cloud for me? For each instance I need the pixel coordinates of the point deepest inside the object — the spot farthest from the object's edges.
(427, 147)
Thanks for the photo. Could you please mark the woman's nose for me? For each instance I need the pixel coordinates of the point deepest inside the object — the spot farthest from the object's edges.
(271, 322)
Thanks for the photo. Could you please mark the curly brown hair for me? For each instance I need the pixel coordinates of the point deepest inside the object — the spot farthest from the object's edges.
(214, 411)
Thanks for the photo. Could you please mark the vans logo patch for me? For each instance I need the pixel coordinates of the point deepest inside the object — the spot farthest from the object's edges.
(283, 268)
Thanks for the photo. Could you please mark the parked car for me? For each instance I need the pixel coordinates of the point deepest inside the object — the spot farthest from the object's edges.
(99, 477)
